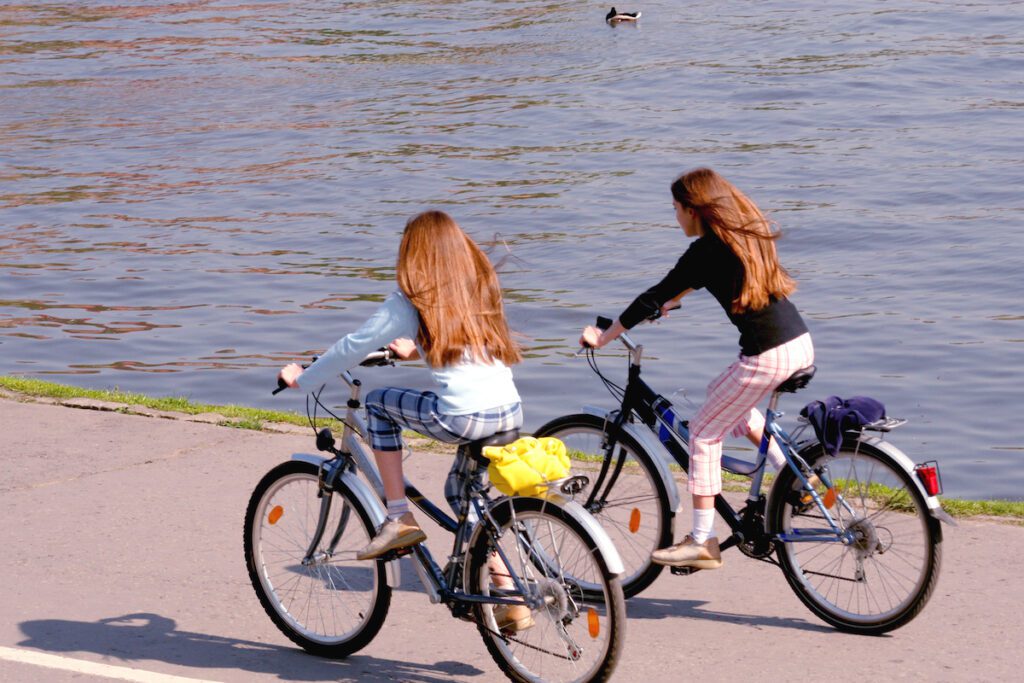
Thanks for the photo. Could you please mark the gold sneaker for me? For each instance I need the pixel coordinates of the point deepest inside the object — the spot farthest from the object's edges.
(514, 618)
(394, 534)
(689, 553)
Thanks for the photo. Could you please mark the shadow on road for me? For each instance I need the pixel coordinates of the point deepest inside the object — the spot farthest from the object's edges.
(133, 638)
(654, 608)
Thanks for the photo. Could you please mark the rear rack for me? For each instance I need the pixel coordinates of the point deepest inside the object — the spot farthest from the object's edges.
(886, 424)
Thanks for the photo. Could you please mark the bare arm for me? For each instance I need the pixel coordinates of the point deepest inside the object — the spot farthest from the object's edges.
(673, 303)
(594, 337)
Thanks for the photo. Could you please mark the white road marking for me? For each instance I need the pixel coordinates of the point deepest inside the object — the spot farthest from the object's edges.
(122, 673)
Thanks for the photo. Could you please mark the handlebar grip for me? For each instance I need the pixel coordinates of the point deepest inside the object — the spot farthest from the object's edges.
(281, 386)
(382, 356)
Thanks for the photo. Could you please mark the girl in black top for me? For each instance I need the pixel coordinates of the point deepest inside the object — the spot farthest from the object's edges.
(733, 257)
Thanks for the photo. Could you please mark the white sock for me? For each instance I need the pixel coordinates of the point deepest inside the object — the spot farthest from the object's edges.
(397, 508)
(703, 524)
(775, 457)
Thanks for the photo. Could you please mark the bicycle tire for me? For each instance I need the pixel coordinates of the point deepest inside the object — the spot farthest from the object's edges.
(882, 580)
(330, 608)
(637, 513)
(557, 554)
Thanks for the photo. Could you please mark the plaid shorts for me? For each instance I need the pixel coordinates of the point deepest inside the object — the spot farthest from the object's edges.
(390, 410)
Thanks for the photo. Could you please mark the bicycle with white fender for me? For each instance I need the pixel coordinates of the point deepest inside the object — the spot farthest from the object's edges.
(309, 516)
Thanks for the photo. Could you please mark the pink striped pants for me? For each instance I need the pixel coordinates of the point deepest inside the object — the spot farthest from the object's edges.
(731, 406)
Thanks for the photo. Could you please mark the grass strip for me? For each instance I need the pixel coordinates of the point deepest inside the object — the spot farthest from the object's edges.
(243, 417)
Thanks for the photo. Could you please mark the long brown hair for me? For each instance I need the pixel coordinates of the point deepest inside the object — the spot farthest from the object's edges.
(737, 221)
(454, 288)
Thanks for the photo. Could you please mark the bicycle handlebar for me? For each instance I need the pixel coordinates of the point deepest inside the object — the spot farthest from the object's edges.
(604, 323)
(382, 356)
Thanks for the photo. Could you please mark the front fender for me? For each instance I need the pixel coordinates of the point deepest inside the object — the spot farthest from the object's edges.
(661, 457)
(365, 496)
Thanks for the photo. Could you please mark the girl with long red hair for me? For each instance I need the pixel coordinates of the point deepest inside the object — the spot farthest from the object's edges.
(733, 257)
(448, 309)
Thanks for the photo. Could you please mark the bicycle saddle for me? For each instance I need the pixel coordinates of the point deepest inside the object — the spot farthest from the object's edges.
(798, 380)
(476, 448)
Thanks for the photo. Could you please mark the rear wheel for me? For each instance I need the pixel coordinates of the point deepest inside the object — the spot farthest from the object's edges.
(574, 637)
(884, 574)
(332, 604)
(636, 512)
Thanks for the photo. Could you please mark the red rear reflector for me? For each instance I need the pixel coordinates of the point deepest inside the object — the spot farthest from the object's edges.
(928, 473)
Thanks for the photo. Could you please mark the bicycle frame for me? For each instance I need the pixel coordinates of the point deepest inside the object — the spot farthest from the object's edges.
(440, 585)
(658, 414)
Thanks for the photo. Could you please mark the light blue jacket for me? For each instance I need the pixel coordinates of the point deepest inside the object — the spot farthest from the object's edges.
(468, 387)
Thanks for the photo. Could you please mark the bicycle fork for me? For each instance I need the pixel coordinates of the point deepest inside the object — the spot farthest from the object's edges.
(328, 474)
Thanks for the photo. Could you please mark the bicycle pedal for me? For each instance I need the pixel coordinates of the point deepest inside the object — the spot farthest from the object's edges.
(683, 571)
(396, 554)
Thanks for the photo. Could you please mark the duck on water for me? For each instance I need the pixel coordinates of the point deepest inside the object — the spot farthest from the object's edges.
(613, 17)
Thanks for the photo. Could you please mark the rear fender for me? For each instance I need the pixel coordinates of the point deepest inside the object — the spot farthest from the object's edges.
(934, 506)
(579, 515)
(901, 459)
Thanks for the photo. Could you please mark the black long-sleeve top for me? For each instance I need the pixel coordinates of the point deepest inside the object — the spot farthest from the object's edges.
(710, 263)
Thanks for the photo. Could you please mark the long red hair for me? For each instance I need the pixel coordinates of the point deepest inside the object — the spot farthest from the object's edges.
(455, 289)
(737, 221)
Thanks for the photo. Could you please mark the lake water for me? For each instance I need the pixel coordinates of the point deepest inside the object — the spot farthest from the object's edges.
(193, 193)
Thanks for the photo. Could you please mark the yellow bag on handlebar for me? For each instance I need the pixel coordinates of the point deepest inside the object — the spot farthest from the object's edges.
(524, 466)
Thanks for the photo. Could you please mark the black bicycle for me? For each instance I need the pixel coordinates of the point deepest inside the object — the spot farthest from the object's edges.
(309, 516)
(862, 549)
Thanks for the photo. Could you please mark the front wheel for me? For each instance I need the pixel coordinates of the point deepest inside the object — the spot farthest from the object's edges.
(574, 637)
(883, 575)
(635, 510)
(329, 604)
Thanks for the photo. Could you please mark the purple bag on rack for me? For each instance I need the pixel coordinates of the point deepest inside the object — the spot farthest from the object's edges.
(833, 416)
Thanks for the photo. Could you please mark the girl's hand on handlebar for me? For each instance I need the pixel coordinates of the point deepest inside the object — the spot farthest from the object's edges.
(289, 374)
(671, 305)
(591, 337)
(404, 348)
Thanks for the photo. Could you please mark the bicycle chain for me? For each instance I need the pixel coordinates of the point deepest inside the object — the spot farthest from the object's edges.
(532, 647)
(506, 638)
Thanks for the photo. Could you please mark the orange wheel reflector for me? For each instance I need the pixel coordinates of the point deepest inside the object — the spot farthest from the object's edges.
(830, 497)
(593, 625)
(634, 520)
(275, 514)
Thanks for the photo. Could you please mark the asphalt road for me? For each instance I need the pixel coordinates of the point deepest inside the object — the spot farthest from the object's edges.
(121, 559)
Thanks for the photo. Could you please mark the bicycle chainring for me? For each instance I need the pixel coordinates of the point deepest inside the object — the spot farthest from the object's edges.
(759, 548)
